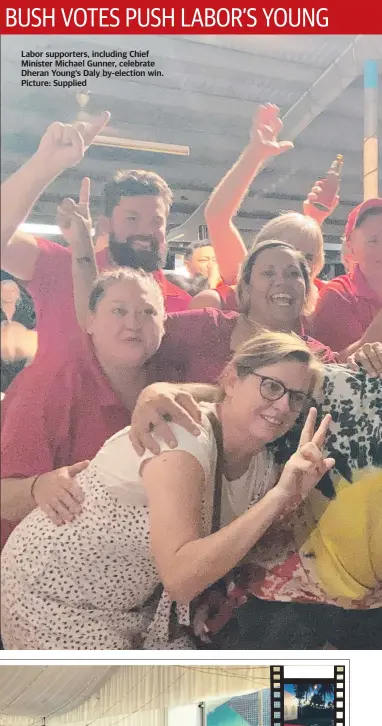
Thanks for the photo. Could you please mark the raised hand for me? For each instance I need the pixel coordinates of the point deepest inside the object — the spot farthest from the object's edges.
(307, 465)
(309, 208)
(369, 357)
(266, 128)
(64, 145)
(74, 219)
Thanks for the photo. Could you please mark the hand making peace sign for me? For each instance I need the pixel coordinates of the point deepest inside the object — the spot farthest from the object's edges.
(307, 465)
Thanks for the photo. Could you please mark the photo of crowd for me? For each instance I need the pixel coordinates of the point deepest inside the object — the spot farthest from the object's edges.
(191, 455)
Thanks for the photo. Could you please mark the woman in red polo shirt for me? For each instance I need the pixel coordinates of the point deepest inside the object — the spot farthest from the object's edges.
(349, 311)
(300, 230)
(54, 418)
(295, 229)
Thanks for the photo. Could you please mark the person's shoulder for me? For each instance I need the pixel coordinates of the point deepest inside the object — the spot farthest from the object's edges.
(343, 386)
(203, 319)
(227, 294)
(52, 248)
(52, 270)
(37, 389)
(340, 285)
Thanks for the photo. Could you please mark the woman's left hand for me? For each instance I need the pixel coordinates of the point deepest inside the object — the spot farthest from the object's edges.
(368, 357)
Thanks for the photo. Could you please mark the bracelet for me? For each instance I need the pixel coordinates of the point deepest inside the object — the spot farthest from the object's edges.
(33, 486)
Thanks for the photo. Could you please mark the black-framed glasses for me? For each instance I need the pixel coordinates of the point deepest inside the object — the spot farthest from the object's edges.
(273, 390)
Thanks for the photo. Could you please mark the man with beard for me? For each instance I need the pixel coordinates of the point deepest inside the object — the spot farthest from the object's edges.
(136, 205)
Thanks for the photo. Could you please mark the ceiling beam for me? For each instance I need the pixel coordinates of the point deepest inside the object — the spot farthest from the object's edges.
(68, 187)
(189, 174)
(328, 86)
(331, 83)
(45, 213)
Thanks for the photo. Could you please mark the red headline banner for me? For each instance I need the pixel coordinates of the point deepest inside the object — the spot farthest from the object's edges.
(204, 18)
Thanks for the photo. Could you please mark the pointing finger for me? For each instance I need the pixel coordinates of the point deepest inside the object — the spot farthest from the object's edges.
(84, 197)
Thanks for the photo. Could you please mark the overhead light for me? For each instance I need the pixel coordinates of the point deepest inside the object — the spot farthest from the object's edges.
(153, 146)
(42, 228)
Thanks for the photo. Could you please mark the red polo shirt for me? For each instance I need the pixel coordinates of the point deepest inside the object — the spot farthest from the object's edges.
(52, 293)
(197, 345)
(346, 307)
(64, 415)
(58, 415)
(227, 295)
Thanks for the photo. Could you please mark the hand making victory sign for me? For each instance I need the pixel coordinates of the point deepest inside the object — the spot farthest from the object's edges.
(307, 465)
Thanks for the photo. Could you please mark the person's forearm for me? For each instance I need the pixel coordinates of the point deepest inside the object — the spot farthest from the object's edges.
(84, 273)
(20, 192)
(200, 563)
(200, 391)
(227, 197)
(222, 206)
(16, 498)
(373, 334)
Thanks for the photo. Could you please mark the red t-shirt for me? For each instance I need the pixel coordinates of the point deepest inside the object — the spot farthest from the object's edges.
(227, 295)
(57, 415)
(197, 345)
(52, 293)
(346, 307)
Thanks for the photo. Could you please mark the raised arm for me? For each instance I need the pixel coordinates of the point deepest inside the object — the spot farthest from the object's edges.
(226, 199)
(77, 222)
(61, 147)
(189, 562)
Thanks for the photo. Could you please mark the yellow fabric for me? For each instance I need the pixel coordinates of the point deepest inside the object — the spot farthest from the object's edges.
(347, 540)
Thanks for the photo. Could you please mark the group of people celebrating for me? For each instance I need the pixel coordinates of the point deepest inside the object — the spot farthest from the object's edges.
(191, 470)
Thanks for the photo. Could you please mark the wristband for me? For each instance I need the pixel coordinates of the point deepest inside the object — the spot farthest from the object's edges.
(33, 486)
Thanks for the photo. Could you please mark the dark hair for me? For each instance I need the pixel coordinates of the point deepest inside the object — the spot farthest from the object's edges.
(134, 183)
(196, 246)
(109, 277)
(372, 212)
(250, 259)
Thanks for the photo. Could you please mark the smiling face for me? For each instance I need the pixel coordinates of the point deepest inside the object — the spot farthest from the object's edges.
(303, 233)
(137, 232)
(127, 324)
(252, 415)
(276, 289)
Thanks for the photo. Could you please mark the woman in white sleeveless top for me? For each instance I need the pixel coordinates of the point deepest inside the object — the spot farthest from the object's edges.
(96, 583)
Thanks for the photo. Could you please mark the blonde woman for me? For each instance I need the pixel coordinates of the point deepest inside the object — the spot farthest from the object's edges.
(183, 517)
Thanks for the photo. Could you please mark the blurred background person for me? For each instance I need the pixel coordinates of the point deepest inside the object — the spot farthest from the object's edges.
(18, 336)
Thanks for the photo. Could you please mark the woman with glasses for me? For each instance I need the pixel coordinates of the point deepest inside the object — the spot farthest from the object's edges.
(183, 517)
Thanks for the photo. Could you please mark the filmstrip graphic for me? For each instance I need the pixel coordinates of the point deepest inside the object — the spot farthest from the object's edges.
(311, 700)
